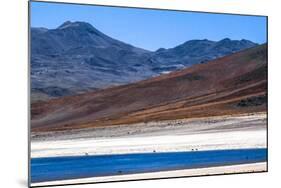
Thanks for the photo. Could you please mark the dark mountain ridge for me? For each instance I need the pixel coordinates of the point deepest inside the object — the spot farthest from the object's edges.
(194, 51)
(73, 35)
(76, 57)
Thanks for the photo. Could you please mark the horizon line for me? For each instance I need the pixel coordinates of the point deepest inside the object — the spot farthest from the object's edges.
(225, 38)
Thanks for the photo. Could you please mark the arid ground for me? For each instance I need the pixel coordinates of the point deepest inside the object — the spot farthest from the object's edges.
(234, 84)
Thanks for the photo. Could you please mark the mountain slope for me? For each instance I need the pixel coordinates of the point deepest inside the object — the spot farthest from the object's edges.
(195, 51)
(233, 84)
(76, 58)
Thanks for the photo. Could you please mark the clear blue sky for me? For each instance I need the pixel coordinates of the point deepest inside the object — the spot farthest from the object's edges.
(151, 29)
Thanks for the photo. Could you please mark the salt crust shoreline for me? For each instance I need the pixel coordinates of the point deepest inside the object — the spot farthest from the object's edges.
(216, 133)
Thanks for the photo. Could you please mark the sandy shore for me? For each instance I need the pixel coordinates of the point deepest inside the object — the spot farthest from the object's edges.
(254, 167)
(227, 132)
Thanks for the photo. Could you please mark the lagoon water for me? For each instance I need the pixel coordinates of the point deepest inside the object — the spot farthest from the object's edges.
(61, 168)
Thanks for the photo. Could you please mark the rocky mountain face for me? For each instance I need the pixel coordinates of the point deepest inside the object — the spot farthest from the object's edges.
(198, 51)
(76, 57)
(233, 84)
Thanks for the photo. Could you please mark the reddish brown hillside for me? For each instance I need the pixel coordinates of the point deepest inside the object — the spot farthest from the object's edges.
(233, 84)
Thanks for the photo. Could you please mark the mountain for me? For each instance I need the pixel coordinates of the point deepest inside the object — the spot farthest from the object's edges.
(74, 37)
(199, 51)
(233, 84)
(76, 58)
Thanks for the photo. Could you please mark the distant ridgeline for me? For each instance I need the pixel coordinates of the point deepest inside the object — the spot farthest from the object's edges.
(76, 57)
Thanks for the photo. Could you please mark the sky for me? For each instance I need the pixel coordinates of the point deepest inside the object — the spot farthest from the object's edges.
(152, 29)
